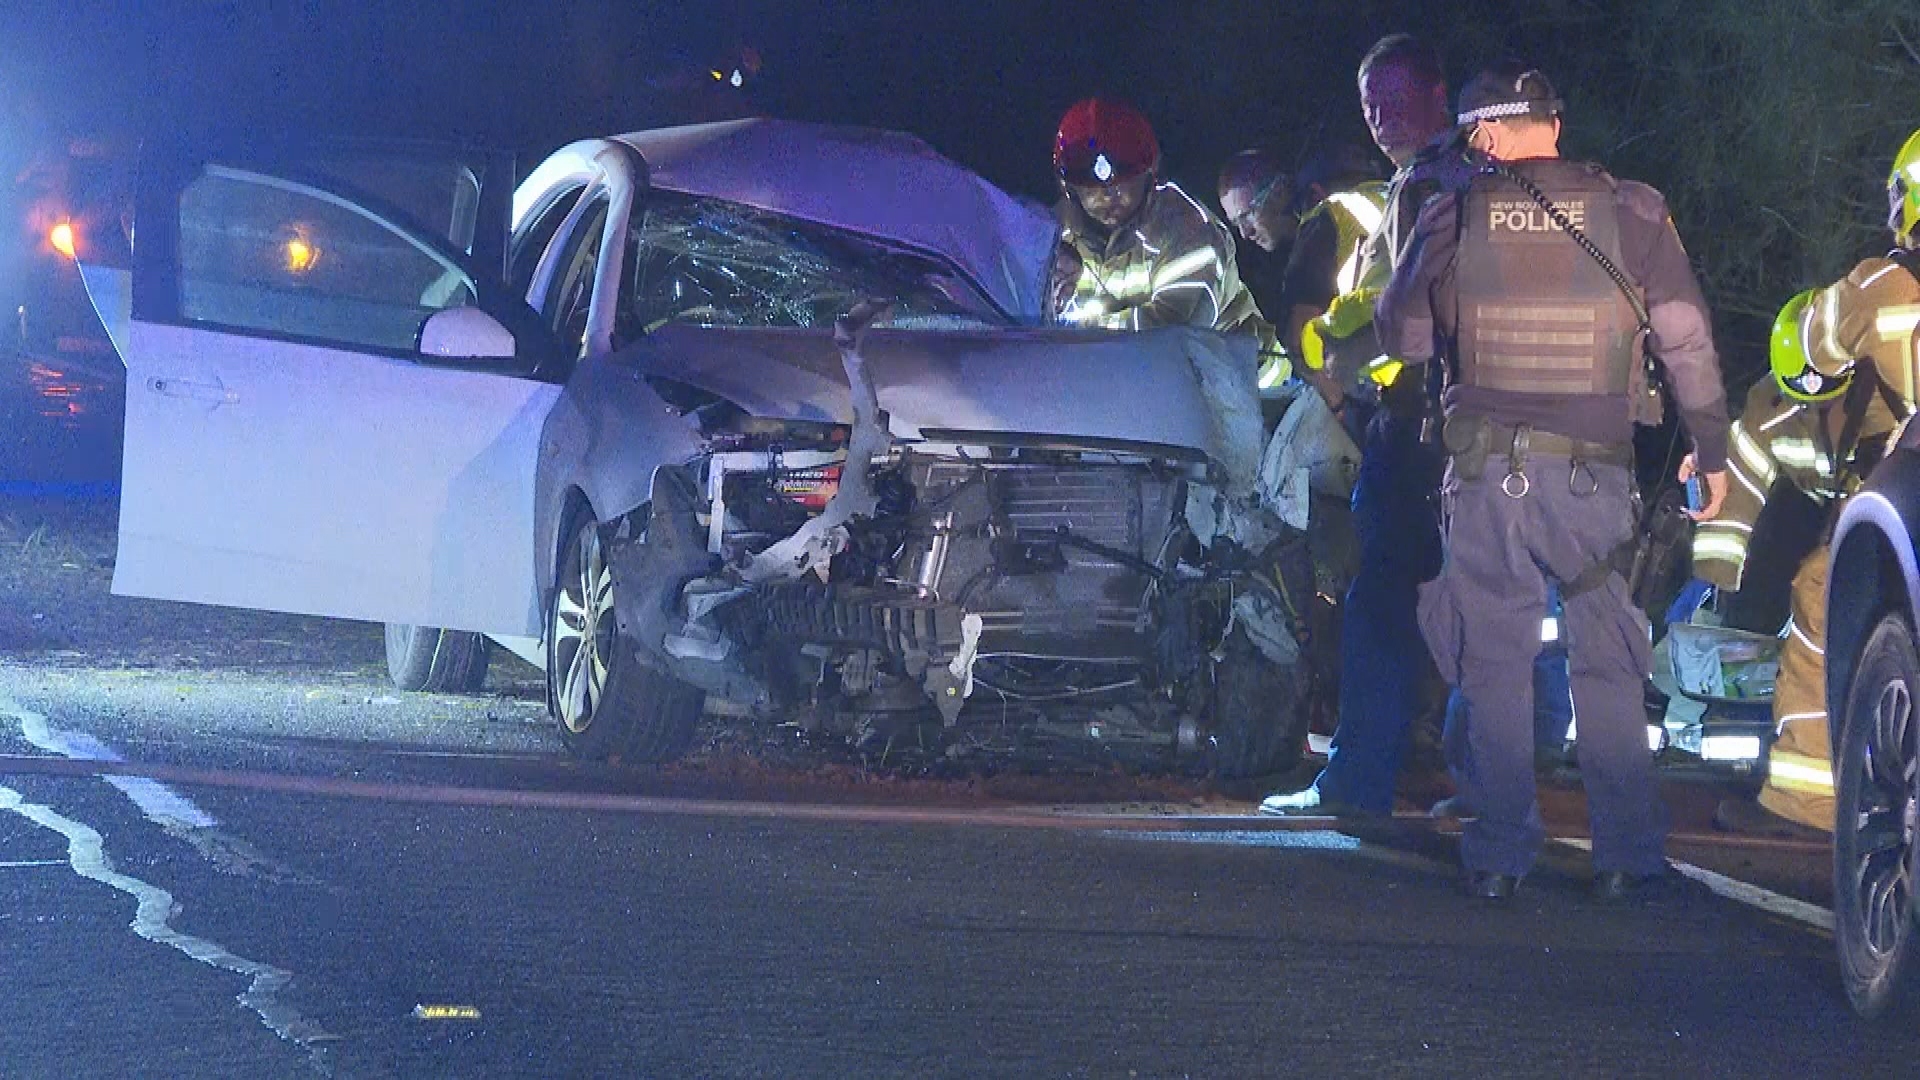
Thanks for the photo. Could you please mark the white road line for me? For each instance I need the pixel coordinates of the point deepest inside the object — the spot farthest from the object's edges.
(179, 816)
(153, 912)
(1734, 889)
(161, 804)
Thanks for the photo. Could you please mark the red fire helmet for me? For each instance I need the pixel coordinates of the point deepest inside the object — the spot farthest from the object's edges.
(1102, 141)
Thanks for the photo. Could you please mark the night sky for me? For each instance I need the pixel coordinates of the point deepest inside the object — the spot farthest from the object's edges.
(982, 81)
(1769, 127)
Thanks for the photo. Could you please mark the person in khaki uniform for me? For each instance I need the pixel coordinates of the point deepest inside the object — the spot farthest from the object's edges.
(1845, 358)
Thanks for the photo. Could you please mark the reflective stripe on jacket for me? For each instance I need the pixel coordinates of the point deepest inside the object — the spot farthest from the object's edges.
(1873, 314)
(1357, 215)
(1172, 265)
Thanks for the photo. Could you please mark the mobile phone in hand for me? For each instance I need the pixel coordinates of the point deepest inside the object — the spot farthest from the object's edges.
(1696, 494)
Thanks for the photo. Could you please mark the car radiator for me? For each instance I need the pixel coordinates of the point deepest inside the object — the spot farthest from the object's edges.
(1055, 559)
(1058, 561)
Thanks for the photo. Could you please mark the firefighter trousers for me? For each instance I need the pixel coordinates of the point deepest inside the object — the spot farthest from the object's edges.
(1481, 619)
(1799, 783)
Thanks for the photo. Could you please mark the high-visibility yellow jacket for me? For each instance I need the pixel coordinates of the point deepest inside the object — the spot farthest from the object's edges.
(1337, 342)
(1871, 316)
(1357, 214)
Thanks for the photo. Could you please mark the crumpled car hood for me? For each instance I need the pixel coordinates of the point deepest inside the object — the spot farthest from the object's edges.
(1174, 387)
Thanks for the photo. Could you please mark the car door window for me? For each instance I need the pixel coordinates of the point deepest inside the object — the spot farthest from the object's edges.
(443, 195)
(533, 238)
(268, 254)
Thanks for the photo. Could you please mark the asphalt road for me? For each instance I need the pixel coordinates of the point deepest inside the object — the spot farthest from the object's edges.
(309, 874)
(606, 922)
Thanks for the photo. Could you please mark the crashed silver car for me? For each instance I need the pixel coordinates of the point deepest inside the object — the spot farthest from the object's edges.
(757, 412)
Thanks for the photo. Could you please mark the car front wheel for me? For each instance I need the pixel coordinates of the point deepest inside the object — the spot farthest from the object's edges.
(1259, 721)
(1874, 847)
(607, 703)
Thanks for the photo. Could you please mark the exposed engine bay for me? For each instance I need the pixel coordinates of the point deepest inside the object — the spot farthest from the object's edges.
(855, 579)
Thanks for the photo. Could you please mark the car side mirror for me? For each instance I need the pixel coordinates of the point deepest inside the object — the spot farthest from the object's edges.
(465, 333)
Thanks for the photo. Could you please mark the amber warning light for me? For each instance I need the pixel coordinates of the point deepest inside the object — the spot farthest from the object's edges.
(61, 238)
(301, 255)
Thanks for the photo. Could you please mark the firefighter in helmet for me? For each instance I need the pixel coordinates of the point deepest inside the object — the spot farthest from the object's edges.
(1149, 254)
(1844, 374)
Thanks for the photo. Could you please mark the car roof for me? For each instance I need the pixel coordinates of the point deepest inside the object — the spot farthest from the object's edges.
(881, 184)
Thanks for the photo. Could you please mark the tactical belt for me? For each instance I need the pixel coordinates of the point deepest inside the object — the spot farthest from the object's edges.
(1546, 442)
(1471, 440)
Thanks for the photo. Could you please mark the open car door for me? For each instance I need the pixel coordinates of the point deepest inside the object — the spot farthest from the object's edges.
(334, 404)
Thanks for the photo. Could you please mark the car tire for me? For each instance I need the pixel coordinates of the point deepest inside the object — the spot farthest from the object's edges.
(606, 702)
(1259, 712)
(437, 661)
(1874, 912)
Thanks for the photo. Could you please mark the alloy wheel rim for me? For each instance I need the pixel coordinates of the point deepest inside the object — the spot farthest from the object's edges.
(1885, 814)
(583, 632)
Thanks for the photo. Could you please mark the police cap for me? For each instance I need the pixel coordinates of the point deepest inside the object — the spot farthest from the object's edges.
(1508, 89)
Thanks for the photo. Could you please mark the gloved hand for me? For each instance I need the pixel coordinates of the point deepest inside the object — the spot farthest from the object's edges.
(1343, 318)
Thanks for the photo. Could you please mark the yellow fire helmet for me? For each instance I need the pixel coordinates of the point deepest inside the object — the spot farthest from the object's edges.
(1792, 367)
(1903, 194)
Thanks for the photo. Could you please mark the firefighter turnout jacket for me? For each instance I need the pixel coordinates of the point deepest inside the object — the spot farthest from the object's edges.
(1171, 265)
(1869, 319)
(1778, 438)
(1533, 330)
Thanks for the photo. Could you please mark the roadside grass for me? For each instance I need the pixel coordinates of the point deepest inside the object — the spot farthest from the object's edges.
(41, 535)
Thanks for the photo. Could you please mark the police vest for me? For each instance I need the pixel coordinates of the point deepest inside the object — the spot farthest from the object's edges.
(1537, 314)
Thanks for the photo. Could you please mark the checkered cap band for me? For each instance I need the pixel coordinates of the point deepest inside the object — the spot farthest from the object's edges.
(1494, 112)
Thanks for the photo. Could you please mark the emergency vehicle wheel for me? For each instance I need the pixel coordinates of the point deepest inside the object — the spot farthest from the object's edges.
(1874, 849)
(435, 660)
(1259, 713)
(607, 703)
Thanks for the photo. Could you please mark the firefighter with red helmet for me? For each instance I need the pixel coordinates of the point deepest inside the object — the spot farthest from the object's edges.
(1148, 254)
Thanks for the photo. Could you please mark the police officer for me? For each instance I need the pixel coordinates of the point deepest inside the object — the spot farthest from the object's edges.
(1845, 365)
(1403, 94)
(1528, 288)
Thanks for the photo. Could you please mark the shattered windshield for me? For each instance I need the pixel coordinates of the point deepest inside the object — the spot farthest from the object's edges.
(708, 262)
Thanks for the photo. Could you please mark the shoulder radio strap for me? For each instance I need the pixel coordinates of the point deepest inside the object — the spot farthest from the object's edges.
(1560, 218)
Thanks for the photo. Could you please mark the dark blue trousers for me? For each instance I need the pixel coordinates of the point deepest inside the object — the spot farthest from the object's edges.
(1382, 657)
